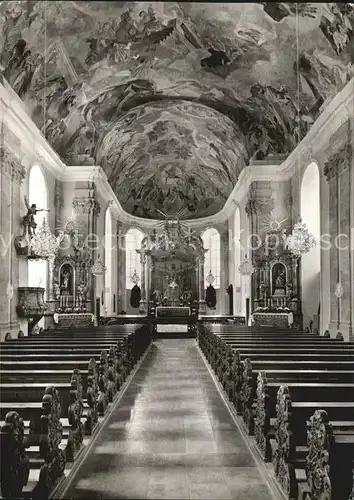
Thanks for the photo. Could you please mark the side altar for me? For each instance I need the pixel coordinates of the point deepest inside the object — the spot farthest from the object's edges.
(276, 285)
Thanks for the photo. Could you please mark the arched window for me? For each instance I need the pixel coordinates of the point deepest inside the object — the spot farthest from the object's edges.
(108, 262)
(311, 261)
(211, 242)
(237, 257)
(38, 194)
(133, 240)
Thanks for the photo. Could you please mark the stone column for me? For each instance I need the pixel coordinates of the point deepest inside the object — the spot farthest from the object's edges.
(202, 305)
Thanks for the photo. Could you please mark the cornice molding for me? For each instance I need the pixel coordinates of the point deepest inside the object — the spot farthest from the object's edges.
(338, 111)
(33, 143)
(86, 205)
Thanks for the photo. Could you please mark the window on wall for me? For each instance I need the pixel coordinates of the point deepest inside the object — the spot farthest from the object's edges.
(133, 241)
(38, 194)
(108, 262)
(211, 242)
(311, 261)
(237, 246)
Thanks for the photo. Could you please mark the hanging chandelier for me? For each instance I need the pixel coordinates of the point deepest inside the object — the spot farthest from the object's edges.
(98, 268)
(246, 268)
(135, 278)
(44, 245)
(300, 241)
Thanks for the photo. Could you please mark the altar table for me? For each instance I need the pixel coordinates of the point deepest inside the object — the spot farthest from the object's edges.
(176, 312)
(75, 320)
(276, 320)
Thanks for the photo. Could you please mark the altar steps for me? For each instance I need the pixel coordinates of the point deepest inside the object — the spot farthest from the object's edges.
(177, 335)
(175, 332)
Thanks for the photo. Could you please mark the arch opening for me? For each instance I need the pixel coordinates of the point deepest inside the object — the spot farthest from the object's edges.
(38, 194)
(133, 239)
(211, 242)
(311, 261)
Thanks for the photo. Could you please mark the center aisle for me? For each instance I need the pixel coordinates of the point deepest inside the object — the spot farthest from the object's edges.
(171, 436)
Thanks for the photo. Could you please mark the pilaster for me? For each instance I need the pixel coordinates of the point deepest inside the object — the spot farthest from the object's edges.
(338, 172)
(12, 175)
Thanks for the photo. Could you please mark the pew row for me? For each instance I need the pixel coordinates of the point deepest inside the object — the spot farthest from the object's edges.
(55, 389)
(254, 370)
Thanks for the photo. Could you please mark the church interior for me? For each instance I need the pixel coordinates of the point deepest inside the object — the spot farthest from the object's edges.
(176, 310)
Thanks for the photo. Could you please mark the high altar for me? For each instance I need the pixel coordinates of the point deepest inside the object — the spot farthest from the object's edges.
(172, 270)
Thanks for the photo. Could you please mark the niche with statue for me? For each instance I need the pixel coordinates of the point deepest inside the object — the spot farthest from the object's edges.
(71, 284)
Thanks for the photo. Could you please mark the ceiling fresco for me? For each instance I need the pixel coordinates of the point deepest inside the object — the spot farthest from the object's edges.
(96, 74)
(172, 154)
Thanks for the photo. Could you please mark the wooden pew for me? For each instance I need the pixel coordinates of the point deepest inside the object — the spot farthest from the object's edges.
(58, 354)
(317, 463)
(48, 457)
(335, 387)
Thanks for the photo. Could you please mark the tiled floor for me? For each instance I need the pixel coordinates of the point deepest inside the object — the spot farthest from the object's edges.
(170, 437)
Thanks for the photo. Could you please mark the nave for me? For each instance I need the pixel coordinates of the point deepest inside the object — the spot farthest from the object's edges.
(239, 412)
(170, 436)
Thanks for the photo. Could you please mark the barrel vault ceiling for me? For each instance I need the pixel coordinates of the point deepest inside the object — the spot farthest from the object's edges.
(174, 99)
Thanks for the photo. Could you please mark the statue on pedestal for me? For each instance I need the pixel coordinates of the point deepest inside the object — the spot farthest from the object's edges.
(263, 291)
(289, 290)
(279, 280)
(28, 221)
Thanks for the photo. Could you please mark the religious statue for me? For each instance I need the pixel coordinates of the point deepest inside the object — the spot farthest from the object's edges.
(65, 285)
(263, 289)
(289, 290)
(28, 220)
(279, 279)
(56, 290)
(81, 293)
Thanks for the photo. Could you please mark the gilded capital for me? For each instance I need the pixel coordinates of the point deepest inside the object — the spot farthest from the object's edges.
(339, 162)
(256, 203)
(11, 165)
(86, 205)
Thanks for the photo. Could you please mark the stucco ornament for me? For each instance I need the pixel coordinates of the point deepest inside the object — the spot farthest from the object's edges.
(339, 290)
